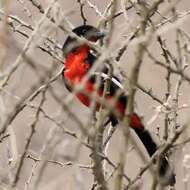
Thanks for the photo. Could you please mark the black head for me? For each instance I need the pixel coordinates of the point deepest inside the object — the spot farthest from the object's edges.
(89, 32)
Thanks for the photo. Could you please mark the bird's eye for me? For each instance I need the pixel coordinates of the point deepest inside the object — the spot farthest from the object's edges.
(83, 31)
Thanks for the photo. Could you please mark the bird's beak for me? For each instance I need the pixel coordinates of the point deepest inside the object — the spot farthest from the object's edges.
(101, 34)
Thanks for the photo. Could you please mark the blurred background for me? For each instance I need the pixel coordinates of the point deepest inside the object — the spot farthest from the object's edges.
(22, 27)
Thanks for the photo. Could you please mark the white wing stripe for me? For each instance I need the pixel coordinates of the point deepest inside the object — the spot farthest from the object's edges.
(115, 81)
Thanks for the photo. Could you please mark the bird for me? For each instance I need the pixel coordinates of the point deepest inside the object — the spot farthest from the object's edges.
(79, 59)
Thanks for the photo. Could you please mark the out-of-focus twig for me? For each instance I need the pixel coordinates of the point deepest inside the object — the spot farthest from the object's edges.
(29, 139)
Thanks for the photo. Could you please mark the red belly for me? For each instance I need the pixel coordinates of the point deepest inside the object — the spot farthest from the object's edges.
(89, 88)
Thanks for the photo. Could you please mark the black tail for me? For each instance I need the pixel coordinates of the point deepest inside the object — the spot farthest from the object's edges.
(167, 177)
(147, 141)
